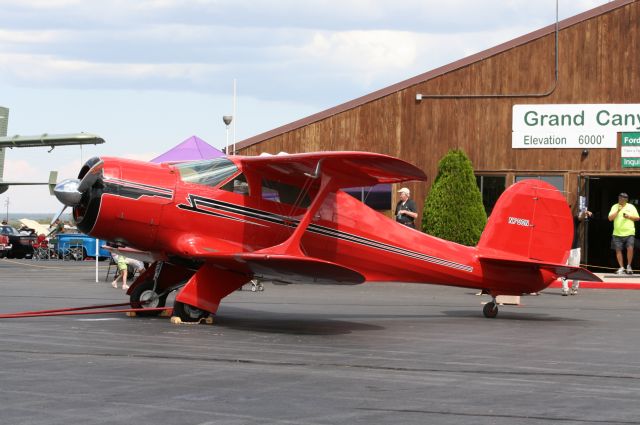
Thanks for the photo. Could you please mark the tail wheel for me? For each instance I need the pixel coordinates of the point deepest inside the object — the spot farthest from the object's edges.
(188, 313)
(143, 296)
(490, 310)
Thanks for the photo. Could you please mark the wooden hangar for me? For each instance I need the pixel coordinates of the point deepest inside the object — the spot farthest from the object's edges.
(585, 65)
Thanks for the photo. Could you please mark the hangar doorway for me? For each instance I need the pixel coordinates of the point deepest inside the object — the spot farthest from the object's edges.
(602, 192)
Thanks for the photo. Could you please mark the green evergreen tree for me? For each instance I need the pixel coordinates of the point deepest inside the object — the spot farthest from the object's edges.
(453, 210)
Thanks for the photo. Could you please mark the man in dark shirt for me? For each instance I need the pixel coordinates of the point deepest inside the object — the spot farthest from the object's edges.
(406, 211)
(574, 254)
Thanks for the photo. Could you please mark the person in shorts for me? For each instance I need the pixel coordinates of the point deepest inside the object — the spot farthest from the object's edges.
(121, 261)
(624, 215)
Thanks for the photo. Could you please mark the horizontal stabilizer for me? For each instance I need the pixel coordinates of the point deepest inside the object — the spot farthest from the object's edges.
(560, 270)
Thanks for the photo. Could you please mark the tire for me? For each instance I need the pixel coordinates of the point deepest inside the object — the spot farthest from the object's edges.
(143, 292)
(490, 310)
(188, 313)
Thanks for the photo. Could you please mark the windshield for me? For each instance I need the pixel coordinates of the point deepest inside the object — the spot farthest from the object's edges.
(210, 172)
(8, 230)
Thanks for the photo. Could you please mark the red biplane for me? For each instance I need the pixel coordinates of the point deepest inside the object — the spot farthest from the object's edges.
(211, 226)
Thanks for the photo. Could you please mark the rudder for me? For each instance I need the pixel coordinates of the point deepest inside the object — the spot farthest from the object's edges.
(531, 220)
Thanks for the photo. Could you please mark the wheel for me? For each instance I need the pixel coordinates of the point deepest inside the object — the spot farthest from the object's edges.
(490, 310)
(78, 254)
(188, 313)
(143, 296)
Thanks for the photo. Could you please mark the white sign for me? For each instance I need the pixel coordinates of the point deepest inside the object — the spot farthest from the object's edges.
(572, 126)
(630, 151)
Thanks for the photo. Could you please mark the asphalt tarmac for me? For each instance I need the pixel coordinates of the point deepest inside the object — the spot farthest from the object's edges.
(370, 354)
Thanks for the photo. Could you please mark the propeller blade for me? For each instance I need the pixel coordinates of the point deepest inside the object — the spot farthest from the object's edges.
(88, 181)
(57, 216)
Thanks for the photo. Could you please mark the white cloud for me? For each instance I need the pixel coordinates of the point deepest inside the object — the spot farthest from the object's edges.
(147, 74)
(363, 51)
(21, 170)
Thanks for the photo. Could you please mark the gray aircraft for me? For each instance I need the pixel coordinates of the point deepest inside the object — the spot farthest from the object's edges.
(43, 140)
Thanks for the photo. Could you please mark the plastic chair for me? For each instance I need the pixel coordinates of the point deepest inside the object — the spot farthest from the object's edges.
(112, 262)
(74, 250)
(41, 249)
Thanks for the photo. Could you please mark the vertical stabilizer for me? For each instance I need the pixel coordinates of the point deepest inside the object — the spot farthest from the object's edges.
(531, 220)
(4, 122)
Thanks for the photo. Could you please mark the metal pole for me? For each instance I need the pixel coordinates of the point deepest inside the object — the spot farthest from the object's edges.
(97, 255)
(227, 131)
(235, 117)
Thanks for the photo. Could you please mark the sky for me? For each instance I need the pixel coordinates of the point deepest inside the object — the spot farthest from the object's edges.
(147, 74)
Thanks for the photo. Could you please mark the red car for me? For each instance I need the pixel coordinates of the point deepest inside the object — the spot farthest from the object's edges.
(5, 246)
(21, 245)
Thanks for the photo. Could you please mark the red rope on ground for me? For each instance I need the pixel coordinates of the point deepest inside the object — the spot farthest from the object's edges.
(77, 311)
(89, 307)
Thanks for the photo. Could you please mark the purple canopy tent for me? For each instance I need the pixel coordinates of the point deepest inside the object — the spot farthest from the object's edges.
(191, 149)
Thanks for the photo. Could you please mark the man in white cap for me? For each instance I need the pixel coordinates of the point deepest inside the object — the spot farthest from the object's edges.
(406, 211)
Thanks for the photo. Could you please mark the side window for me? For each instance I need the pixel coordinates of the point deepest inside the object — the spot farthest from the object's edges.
(237, 185)
(377, 197)
(557, 181)
(284, 193)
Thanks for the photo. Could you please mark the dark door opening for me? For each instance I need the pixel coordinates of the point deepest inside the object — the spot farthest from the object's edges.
(602, 192)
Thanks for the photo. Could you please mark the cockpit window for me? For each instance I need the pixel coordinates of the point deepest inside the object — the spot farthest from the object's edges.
(209, 172)
(284, 193)
(237, 185)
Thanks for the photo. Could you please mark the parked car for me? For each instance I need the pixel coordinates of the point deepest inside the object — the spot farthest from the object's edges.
(21, 245)
(77, 246)
(5, 246)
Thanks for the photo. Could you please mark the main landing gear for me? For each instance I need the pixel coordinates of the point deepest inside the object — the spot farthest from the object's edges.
(144, 296)
(490, 309)
(188, 313)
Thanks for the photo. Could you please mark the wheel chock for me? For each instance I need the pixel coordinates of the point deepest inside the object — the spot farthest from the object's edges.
(131, 314)
(204, 321)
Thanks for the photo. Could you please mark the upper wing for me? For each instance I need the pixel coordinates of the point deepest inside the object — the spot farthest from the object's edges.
(349, 169)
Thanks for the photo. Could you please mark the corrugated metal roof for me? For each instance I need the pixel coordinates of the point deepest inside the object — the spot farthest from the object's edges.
(566, 23)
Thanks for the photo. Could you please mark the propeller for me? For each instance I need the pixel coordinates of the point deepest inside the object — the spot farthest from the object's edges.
(70, 191)
(67, 192)
(57, 216)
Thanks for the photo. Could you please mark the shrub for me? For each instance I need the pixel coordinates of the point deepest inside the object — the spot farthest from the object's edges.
(453, 210)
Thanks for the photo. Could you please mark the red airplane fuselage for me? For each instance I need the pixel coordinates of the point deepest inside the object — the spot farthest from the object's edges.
(236, 219)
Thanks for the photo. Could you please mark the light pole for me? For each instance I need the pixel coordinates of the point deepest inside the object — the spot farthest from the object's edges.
(6, 202)
(227, 120)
